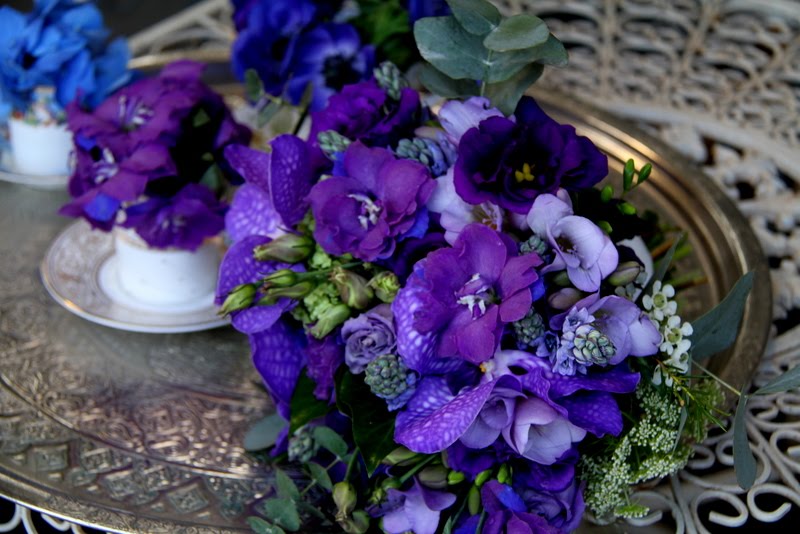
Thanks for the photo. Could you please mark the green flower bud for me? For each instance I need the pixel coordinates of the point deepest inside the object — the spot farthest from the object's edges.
(330, 319)
(357, 524)
(345, 498)
(483, 477)
(239, 298)
(390, 483)
(401, 456)
(386, 286)
(504, 474)
(562, 279)
(565, 298)
(297, 291)
(353, 288)
(281, 278)
(625, 274)
(455, 477)
(474, 500)
(289, 248)
(433, 476)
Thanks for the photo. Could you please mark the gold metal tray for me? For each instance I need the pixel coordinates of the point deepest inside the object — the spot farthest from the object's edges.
(142, 433)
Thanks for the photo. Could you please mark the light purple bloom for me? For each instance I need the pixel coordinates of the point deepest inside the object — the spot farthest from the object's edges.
(368, 336)
(416, 509)
(462, 296)
(377, 201)
(456, 117)
(581, 246)
(540, 433)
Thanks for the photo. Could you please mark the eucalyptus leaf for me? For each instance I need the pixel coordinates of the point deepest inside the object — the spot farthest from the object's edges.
(478, 17)
(320, 475)
(212, 178)
(744, 463)
(506, 95)
(551, 52)
(252, 85)
(305, 406)
(681, 425)
(283, 512)
(373, 425)
(267, 113)
(285, 486)
(517, 33)
(717, 329)
(259, 526)
(441, 84)
(310, 509)
(329, 439)
(788, 380)
(662, 266)
(264, 433)
(200, 118)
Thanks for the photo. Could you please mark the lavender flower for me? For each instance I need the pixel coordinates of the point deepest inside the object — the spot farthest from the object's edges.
(511, 163)
(378, 201)
(416, 509)
(458, 117)
(368, 336)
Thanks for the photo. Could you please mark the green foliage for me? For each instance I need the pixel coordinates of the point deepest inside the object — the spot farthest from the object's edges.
(330, 440)
(385, 24)
(282, 512)
(788, 380)
(259, 526)
(717, 329)
(744, 463)
(305, 406)
(264, 433)
(285, 486)
(506, 95)
(320, 475)
(373, 425)
(253, 88)
(517, 33)
(476, 16)
(661, 267)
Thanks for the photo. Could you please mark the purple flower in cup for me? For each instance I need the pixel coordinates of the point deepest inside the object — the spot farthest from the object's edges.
(379, 200)
(368, 336)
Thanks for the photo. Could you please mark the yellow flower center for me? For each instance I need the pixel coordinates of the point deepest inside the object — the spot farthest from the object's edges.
(525, 174)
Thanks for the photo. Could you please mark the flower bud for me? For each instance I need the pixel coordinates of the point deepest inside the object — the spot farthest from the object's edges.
(562, 279)
(433, 476)
(504, 474)
(280, 278)
(357, 524)
(483, 477)
(564, 299)
(288, 248)
(625, 274)
(386, 286)
(345, 498)
(330, 319)
(390, 483)
(401, 456)
(353, 288)
(474, 500)
(239, 298)
(297, 291)
(455, 477)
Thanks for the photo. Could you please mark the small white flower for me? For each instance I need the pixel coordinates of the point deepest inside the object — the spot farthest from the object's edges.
(674, 336)
(659, 303)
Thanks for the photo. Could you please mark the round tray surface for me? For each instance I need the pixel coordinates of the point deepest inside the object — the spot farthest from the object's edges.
(137, 432)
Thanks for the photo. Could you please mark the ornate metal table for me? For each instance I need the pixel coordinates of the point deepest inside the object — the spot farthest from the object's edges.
(139, 433)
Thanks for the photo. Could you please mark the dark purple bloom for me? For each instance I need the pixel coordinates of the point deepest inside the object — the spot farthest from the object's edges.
(183, 221)
(416, 509)
(376, 203)
(464, 295)
(328, 57)
(279, 357)
(472, 462)
(418, 9)
(324, 358)
(457, 117)
(368, 336)
(410, 251)
(510, 163)
(507, 513)
(552, 492)
(364, 112)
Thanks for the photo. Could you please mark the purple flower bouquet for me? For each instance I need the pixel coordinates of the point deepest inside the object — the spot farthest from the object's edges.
(462, 329)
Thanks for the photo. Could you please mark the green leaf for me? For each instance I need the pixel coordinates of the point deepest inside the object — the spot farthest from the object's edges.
(478, 17)
(320, 475)
(269, 111)
(744, 463)
(305, 406)
(517, 33)
(505, 95)
(200, 118)
(681, 425)
(551, 52)
(627, 175)
(285, 486)
(644, 173)
(788, 380)
(281, 511)
(212, 178)
(661, 268)
(310, 509)
(717, 329)
(329, 439)
(259, 526)
(252, 85)
(442, 85)
(373, 425)
(264, 433)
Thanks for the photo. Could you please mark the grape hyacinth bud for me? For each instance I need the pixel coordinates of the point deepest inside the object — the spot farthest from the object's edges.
(536, 244)
(289, 248)
(239, 298)
(332, 142)
(390, 379)
(301, 446)
(390, 79)
(353, 289)
(592, 346)
(529, 328)
(434, 154)
(386, 285)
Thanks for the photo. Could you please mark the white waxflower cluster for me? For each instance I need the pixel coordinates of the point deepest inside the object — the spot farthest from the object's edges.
(659, 304)
(674, 331)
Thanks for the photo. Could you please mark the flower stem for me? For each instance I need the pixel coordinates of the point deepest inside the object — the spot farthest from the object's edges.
(718, 379)
(413, 470)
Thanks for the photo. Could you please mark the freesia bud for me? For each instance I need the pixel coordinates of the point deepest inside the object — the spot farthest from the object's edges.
(455, 477)
(281, 278)
(483, 477)
(625, 274)
(564, 299)
(330, 319)
(288, 248)
(433, 476)
(386, 286)
(239, 298)
(562, 279)
(504, 474)
(474, 500)
(353, 288)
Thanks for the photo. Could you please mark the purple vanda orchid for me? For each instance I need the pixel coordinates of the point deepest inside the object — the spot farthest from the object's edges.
(462, 297)
(580, 246)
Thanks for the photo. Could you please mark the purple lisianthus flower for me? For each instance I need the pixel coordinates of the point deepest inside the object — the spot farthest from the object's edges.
(552, 492)
(416, 509)
(511, 163)
(368, 336)
(580, 246)
(364, 112)
(376, 203)
(328, 57)
(507, 513)
(462, 297)
(324, 358)
(539, 432)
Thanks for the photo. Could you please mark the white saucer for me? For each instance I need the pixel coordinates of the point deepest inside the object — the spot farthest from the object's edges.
(79, 272)
(8, 173)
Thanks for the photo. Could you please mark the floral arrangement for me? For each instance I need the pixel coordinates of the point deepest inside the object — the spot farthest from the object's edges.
(462, 327)
(62, 46)
(149, 158)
